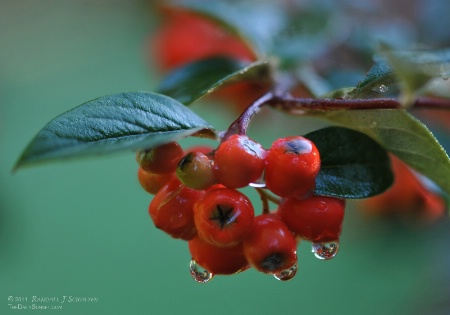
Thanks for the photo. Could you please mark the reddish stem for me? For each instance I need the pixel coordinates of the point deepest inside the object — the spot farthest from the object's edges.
(293, 105)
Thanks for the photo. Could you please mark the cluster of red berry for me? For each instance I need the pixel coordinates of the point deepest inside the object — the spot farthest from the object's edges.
(197, 199)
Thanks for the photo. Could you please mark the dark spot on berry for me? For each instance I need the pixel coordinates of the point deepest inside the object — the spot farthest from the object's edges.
(185, 161)
(298, 146)
(223, 215)
(272, 262)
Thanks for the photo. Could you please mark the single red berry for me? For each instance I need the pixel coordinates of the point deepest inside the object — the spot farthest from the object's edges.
(195, 171)
(223, 217)
(270, 247)
(218, 260)
(239, 161)
(160, 160)
(185, 37)
(172, 209)
(408, 197)
(292, 165)
(151, 182)
(317, 218)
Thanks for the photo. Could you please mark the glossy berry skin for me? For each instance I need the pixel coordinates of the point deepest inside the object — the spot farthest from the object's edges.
(270, 247)
(161, 160)
(292, 165)
(151, 182)
(172, 209)
(239, 161)
(185, 37)
(195, 170)
(317, 218)
(218, 260)
(223, 217)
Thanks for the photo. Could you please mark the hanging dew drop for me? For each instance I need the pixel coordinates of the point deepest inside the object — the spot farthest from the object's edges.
(198, 273)
(325, 251)
(259, 183)
(286, 274)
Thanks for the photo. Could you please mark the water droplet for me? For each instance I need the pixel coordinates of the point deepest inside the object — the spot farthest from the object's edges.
(373, 124)
(198, 273)
(259, 183)
(383, 88)
(324, 250)
(322, 205)
(445, 71)
(287, 274)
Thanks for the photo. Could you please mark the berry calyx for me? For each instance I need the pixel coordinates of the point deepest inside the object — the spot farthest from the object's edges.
(151, 182)
(239, 161)
(195, 170)
(317, 218)
(223, 217)
(172, 209)
(218, 260)
(162, 159)
(270, 247)
(292, 165)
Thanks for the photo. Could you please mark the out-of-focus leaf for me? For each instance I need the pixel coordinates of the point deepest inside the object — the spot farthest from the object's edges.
(190, 82)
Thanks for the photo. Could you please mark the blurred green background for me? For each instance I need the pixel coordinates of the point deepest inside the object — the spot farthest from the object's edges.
(81, 228)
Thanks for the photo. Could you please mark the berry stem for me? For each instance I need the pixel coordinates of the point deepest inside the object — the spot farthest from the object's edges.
(240, 125)
(265, 198)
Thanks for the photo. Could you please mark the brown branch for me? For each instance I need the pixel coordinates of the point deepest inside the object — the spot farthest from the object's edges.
(301, 106)
(309, 104)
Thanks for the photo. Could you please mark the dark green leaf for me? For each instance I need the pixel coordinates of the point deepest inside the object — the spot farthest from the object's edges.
(403, 135)
(126, 121)
(190, 82)
(353, 165)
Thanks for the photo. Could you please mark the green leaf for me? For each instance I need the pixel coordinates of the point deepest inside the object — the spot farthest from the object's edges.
(189, 83)
(376, 82)
(403, 135)
(256, 25)
(411, 69)
(352, 164)
(126, 121)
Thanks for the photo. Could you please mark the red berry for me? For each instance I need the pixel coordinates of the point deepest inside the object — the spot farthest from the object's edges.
(195, 170)
(218, 260)
(160, 160)
(292, 165)
(317, 218)
(223, 217)
(172, 209)
(185, 37)
(151, 182)
(238, 161)
(408, 197)
(270, 247)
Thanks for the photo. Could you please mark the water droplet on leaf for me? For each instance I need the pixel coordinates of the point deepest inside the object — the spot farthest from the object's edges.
(198, 273)
(286, 274)
(383, 88)
(373, 124)
(325, 250)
